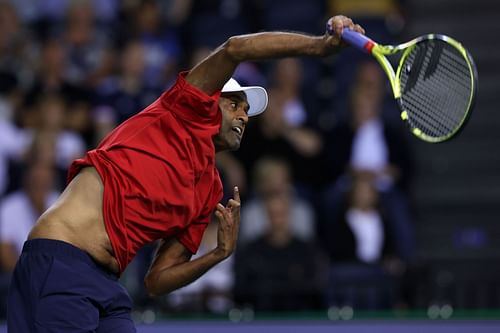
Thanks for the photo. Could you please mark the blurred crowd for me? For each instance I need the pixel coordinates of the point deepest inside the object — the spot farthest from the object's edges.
(325, 173)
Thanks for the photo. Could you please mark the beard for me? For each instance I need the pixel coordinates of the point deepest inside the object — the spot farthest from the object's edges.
(226, 141)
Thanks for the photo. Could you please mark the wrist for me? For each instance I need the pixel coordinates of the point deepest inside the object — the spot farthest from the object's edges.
(319, 47)
(327, 48)
(220, 254)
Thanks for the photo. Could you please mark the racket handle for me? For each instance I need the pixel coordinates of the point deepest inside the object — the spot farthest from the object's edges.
(358, 40)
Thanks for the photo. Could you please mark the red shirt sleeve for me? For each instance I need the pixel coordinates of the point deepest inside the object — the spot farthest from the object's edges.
(191, 237)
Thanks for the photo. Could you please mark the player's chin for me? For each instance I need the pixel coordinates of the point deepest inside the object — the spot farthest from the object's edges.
(227, 141)
(233, 141)
(227, 144)
(234, 145)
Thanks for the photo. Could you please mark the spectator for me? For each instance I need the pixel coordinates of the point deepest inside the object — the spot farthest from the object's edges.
(299, 16)
(370, 146)
(283, 132)
(286, 81)
(366, 267)
(50, 118)
(11, 147)
(361, 232)
(278, 271)
(51, 75)
(210, 22)
(45, 137)
(368, 142)
(86, 48)
(161, 43)
(273, 178)
(20, 210)
(126, 93)
(16, 43)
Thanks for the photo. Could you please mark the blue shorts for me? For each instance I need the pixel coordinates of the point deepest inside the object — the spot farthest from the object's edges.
(57, 287)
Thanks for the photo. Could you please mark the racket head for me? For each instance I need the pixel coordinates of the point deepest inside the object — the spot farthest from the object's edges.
(437, 87)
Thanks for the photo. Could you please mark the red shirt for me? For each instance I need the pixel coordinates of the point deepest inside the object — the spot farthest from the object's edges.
(158, 170)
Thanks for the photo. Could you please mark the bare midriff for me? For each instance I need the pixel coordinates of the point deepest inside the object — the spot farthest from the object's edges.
(77, 218)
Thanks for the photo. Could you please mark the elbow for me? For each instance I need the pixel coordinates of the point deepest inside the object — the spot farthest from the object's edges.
(232, 48)
(151, 285)
(156, 288)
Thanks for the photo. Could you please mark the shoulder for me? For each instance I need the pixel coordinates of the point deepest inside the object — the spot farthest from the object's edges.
(190, 103)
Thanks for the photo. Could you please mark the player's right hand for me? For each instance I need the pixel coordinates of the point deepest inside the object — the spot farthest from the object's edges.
(334, 28)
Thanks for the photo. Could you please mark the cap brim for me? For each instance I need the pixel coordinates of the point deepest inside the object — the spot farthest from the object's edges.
(256, 96)
(257, 99)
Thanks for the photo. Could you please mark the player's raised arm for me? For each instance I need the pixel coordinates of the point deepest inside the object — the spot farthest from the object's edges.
(214, 71)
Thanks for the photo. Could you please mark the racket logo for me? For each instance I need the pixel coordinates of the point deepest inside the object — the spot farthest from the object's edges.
(408, 69)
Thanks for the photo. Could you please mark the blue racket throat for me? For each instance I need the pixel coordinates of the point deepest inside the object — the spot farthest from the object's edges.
(358, 40)
(354, 38)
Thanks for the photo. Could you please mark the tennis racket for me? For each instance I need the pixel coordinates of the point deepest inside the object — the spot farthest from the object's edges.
(435, 83)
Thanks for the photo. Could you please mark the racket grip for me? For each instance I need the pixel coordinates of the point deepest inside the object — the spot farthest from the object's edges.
(358, 40)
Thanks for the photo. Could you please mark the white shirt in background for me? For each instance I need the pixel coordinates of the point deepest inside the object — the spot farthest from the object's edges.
(17, 217)
(368, 231)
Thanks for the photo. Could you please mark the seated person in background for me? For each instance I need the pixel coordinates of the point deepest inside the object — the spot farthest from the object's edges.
(363, 250)
(286, 85)
(121, 96)
(283, 131)
(20, 210)
(18, 213)
(11, 147)
(371, 147)
(360, 233)
(272, 177)
(367, 142)
(48, 120)
(278, 271)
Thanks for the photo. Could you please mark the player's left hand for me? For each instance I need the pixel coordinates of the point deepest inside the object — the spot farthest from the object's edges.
(229, 224)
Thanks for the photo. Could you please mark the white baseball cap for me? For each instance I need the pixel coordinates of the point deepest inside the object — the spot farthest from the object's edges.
(256, 96)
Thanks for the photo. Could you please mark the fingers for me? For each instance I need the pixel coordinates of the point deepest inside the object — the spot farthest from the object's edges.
(359, 29)
(232, 210)
(236, 201)
(220, 210)
(338, 23)
(227, 213)
(236, 194)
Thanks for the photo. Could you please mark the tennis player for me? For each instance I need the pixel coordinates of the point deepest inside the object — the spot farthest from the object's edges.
(153, 177)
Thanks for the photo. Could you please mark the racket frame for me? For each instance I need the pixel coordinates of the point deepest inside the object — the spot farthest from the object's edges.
(380, 53)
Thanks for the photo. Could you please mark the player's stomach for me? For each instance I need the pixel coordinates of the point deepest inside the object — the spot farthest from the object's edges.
(76, 218)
